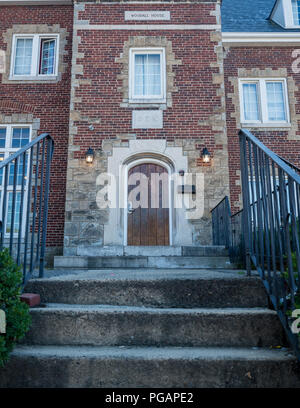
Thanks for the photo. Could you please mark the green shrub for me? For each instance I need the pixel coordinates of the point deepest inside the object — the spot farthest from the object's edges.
(18, 319)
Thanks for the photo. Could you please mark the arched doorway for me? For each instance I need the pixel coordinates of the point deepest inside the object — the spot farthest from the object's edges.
(148, 199)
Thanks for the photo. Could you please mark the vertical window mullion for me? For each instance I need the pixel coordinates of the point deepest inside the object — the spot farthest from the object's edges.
(286, 101)
(163, 73)
(263, 100)
(146, 76)
(35, 55)
(13, 60)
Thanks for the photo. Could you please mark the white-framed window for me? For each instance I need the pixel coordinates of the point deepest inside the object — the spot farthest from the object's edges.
(34, 56)
(264, 101)
(147, 75)
(12, 138)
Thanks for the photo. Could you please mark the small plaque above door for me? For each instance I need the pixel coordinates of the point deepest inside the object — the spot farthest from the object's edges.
(147, 119)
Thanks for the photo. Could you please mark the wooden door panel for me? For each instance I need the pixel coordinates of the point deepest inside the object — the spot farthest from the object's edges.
(148, 226)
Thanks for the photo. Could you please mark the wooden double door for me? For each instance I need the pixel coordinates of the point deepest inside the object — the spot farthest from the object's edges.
(148, 205)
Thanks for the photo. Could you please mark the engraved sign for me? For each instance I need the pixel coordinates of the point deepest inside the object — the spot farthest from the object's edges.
(147, 15)
(147, 119)
(2, 322)
(2, 62)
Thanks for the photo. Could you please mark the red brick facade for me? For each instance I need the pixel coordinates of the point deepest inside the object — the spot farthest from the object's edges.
(198, 99)
(48, 102)
(280, 141)
(194, 100)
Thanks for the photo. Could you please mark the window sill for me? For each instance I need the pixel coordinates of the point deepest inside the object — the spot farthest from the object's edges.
(148, 101)
(45, 78)
(266, 125)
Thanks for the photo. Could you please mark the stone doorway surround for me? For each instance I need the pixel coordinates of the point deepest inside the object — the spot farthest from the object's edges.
(118, 164)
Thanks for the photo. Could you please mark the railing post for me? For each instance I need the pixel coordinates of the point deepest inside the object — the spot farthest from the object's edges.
(246, 200)
(45, 212)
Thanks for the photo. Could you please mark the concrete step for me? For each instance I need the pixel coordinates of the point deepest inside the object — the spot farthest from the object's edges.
(96, 262)
(151, 287)
(118, 250)
(98, 325)
(131, 367)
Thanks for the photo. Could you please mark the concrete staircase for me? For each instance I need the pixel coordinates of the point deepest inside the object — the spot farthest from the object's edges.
(163, 326)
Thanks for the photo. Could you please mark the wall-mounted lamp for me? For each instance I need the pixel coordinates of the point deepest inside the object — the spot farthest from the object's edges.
(181, 173)
(205, 155)
(89, 156)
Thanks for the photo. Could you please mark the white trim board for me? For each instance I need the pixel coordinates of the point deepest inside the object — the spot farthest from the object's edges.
(260, 39)
(141, 27)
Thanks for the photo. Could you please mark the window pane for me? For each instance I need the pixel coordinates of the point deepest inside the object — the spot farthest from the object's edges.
(2, 137)
(296, 11)
(275, 97)
(9, 212)
(19, 172)
(20, 137)
(251, 111)
(23, 56)
(147, 79)
(47, 57)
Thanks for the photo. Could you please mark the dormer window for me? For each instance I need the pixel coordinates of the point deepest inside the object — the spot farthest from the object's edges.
(286, 13)
(296, 12)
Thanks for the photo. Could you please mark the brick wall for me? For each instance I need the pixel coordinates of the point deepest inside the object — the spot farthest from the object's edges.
(48, 102)
(101, 97)
(263, 62)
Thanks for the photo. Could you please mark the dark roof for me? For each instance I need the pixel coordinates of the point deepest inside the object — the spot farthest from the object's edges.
(249, 16)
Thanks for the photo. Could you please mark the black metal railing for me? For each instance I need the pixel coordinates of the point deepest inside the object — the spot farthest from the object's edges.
(227, 231)
(24, 210)
(265, 234)
(271, 209)
(221, 223)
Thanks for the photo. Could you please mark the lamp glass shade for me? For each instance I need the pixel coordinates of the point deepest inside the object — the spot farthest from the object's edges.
(205, 155)
(89, 156)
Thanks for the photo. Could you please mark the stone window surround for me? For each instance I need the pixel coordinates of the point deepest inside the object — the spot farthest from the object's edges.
(147, 42)
(22, 119)
(292, 127)
(32, 29)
